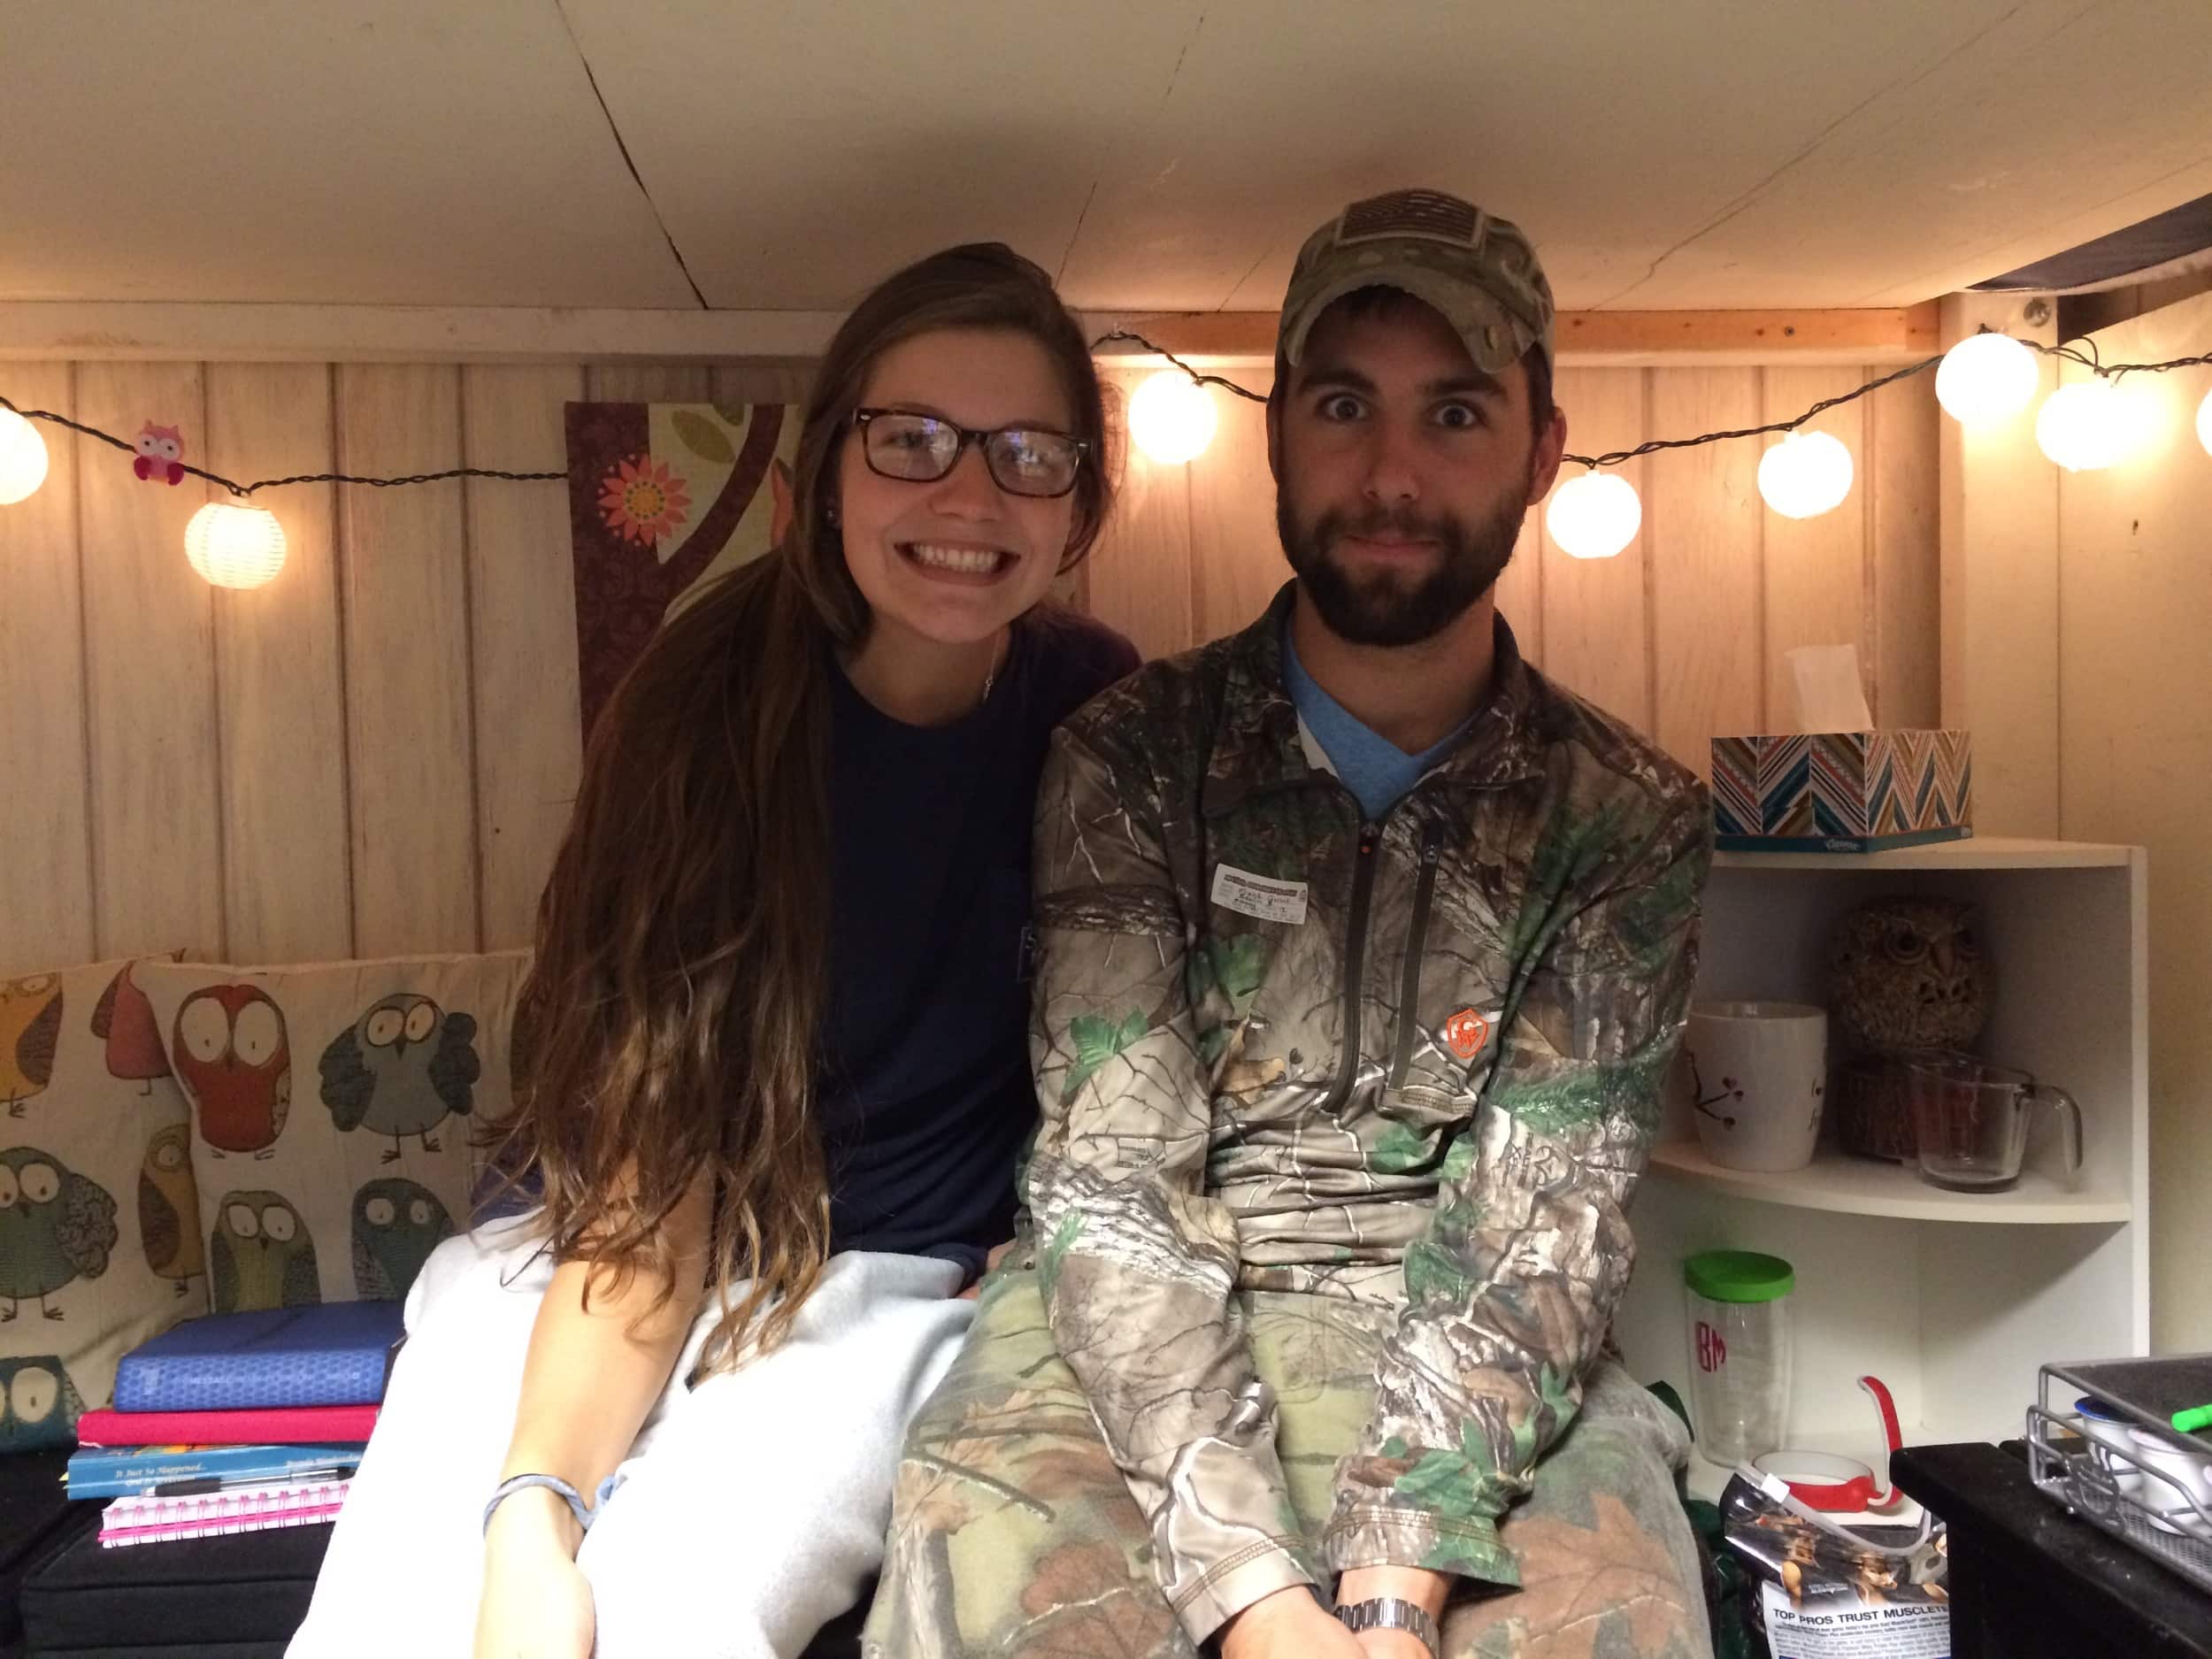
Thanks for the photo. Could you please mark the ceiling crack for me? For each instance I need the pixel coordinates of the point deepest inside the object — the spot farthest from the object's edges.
(1068, 252)
(1173, 75)
(1266, 249)
(674, 252)
(1176, 74)
(1751, 197)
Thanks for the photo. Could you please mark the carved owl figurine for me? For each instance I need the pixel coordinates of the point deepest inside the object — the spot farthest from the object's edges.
(1909, 973)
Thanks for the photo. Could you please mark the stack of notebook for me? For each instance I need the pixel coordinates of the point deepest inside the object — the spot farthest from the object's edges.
(238, 1422)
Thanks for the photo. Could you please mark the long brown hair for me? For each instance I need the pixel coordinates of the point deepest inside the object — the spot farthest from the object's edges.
(671, 1022)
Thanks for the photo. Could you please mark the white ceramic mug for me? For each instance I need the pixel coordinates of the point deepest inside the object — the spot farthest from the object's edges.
(1759, 1069)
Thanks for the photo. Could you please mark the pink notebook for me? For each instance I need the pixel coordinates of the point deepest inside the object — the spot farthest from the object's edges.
(241, 1510)
(281, 1425)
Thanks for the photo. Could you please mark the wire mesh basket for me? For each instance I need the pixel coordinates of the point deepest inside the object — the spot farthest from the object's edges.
(2122, 1467)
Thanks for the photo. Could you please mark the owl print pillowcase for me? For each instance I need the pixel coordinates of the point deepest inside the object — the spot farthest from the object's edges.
(333, 1109)
(100, 1241)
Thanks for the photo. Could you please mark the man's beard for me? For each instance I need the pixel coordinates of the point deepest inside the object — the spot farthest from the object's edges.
(1386, 609)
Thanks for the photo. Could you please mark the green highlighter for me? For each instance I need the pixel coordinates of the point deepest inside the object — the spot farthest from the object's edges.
(2190, 1421)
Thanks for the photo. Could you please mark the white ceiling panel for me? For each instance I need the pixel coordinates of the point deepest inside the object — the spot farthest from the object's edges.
(803, 153)
(1609, 132)
(2057, 123)
(393, 151)
(1161, 155)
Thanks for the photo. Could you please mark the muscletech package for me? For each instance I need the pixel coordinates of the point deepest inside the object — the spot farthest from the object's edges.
(1876, 1594)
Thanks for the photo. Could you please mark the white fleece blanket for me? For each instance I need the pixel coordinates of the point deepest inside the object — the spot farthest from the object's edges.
(752, 1509)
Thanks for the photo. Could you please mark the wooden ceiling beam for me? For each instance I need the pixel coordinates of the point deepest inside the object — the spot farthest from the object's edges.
(91, 331)
(1597, 338)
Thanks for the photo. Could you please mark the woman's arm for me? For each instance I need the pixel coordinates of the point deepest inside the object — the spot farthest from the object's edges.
(592, 1376)
(589, 1379)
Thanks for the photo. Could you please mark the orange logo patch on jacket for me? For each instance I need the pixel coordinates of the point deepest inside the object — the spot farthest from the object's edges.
(1465, 1032)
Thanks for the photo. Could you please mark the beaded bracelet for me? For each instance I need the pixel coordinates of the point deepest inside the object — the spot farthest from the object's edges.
(585, 1513)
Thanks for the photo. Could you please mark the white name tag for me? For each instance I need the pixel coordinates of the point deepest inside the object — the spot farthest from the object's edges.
(1264, 896)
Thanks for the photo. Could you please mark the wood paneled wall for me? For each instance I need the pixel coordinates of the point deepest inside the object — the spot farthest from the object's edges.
(1684, 633)
(376, 752)
(2133, 697)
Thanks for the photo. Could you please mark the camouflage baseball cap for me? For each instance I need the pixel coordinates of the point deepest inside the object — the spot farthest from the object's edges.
(1479, 270)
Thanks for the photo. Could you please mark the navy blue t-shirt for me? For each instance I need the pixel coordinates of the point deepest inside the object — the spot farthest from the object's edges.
(925, 1097)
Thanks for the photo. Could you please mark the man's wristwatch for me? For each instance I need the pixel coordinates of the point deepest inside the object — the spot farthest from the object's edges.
(1387, 1612)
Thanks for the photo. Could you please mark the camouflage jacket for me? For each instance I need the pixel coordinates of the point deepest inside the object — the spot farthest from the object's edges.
(1415, 1062)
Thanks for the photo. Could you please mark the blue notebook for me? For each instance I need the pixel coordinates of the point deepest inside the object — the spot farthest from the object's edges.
(336, 1354)
(119, 1472)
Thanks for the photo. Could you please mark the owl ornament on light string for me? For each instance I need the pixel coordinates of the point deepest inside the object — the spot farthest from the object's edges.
(160, 455)
(230, 543)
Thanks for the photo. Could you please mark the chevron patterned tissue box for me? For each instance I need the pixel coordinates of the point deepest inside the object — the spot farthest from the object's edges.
(1841, 792)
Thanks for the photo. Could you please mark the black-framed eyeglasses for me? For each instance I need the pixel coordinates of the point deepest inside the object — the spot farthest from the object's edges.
(921, 448)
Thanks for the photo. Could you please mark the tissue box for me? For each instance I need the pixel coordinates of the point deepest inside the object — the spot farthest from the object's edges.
(1841, 792)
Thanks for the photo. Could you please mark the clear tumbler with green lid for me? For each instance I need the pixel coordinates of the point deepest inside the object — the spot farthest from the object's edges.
(1740, 1347)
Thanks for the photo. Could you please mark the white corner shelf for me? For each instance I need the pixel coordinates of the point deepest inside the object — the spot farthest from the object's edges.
(1976, 852)
(1954, 1317)
(1844, 1184)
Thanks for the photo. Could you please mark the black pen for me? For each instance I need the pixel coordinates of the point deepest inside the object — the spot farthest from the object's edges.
(206, 1483)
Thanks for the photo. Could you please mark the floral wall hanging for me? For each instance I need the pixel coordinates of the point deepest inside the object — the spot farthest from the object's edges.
(662, 497)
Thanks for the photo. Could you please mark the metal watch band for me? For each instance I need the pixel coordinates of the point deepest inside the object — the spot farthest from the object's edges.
(1387, 1612)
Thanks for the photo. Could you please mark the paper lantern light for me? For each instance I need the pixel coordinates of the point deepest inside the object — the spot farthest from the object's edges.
(1805, 474)
(22, 458)
(234, 546)
(1172, 417)
(1596, 516)
(2086, 426)
(1986, 377)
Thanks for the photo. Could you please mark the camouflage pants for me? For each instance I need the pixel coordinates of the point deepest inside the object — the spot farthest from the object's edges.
(1012, 1532)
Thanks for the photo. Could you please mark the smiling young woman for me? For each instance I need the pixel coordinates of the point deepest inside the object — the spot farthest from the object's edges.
(772, 1068)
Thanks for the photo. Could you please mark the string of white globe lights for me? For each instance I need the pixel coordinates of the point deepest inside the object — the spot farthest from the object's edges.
(1987, 377)
(232, 543)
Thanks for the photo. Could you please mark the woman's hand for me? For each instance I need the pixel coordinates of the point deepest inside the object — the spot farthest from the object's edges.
(990, 1262)
(537, 1603)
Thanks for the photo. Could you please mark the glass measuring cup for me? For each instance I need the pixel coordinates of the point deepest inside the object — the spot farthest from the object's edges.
(1970, 1121)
